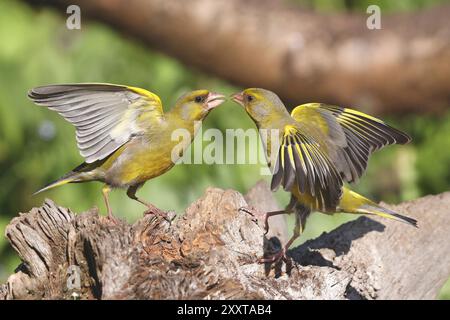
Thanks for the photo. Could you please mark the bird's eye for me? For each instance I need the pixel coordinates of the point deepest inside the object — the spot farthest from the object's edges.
(250, 98)
(199, 99)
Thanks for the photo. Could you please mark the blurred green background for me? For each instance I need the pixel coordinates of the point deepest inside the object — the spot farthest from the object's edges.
(37, 146)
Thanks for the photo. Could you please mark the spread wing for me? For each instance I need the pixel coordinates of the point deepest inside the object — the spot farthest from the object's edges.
(304, 164)
(355, 135)
(105, 116)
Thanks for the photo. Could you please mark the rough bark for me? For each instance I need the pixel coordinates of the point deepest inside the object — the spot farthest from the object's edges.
(302, 55)
(211, 250)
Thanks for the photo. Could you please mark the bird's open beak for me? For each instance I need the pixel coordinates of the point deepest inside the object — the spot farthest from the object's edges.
(238, 98)
(214, 100)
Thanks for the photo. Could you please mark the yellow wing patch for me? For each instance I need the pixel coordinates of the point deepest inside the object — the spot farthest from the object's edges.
(361, 114)
(149, 95)
(310, 112)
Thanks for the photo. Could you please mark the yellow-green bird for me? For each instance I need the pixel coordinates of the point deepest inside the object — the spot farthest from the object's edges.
(122, 132)
(320, 147)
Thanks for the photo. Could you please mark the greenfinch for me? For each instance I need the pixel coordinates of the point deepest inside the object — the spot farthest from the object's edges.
(122, 132)
(320, 147)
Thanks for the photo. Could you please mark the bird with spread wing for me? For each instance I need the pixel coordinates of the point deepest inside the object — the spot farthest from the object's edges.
(320, 147)
(122, 132)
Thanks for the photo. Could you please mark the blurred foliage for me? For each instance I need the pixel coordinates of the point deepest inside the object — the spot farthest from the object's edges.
(37, 145)
(361, 5)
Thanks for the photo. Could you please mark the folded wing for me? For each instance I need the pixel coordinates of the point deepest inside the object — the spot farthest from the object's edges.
(105, 116)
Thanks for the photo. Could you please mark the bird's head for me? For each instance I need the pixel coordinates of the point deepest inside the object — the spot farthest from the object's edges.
(260, 104)
(195, 105)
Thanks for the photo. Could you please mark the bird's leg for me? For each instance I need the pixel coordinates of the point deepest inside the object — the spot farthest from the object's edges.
(271, 214)
(302, 212)
(105, 192)
(282, 253)
(288, 210)
(131, 193)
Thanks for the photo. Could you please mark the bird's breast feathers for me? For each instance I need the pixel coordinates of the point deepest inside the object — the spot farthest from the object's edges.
(138, 161)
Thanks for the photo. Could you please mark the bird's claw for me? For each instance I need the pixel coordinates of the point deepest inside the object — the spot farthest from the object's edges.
(155, 211)
(247, 210)
(256, 214)
(113, 218)
(253, 213)
(266, 224)
(250, 211)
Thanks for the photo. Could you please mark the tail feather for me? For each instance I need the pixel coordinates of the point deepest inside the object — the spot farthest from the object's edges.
(57, 183)
(84, 172)
(386, 213)
(352, 202)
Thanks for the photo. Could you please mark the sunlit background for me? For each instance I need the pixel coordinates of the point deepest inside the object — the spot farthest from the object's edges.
(38, 146)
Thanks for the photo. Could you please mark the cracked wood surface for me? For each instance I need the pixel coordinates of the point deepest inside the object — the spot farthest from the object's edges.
(210, 252)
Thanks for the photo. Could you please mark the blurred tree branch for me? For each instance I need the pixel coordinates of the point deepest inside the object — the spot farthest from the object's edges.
(302, 55)
(210, 252)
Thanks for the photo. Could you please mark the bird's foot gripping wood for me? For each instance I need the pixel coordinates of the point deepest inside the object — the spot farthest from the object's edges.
(113, 219)
(209, 253)
(282, 254)
(252, 211)
(153, 210)
(255, 213)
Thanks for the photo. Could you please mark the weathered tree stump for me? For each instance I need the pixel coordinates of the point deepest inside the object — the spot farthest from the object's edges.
(210, 252)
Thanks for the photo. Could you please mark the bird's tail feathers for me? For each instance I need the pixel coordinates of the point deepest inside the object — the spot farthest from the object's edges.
(353, 202)
(386, 213)
(68, 178)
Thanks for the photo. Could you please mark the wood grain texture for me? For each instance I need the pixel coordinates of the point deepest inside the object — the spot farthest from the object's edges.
(210, 252)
